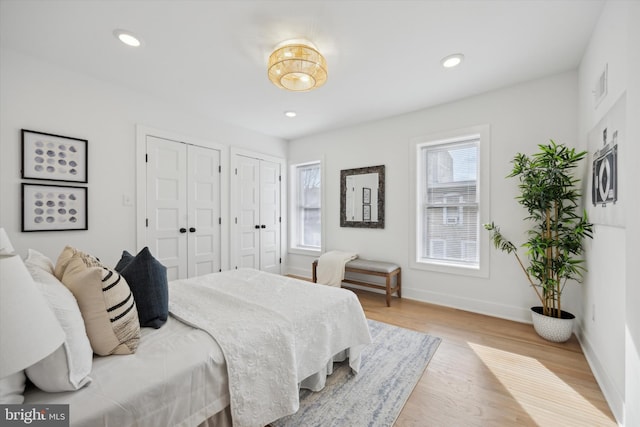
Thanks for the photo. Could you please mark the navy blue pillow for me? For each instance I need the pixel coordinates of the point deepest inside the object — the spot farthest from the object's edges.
(147, 278)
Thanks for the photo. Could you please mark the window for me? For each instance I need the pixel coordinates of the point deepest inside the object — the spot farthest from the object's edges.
(306, 203)
(451, 202)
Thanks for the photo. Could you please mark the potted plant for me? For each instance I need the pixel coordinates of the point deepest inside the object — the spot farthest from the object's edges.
(550, 194)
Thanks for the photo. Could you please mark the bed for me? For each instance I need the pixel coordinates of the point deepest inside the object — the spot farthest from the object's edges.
(235, 350)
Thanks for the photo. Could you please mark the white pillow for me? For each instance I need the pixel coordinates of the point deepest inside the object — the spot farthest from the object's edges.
(37, 260)
(68, 367)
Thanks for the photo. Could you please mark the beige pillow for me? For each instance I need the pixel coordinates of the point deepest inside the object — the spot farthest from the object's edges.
(107, 306)
(65, 256)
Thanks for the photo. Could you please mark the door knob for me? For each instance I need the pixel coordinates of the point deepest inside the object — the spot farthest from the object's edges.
(192, 230)
(263, 226)
(183, 230)
(257, 226)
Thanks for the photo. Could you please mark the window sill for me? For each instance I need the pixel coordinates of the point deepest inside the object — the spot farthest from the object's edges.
(309, 252)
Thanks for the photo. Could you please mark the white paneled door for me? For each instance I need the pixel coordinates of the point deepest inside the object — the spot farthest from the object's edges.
(258, 214)
(183, 207)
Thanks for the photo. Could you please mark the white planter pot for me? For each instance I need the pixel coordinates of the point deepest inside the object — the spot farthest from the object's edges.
(552, 328)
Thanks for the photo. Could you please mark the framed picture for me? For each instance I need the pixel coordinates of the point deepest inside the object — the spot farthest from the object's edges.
(54, 208)
(54, 157)
(366, 212)
(366, 195)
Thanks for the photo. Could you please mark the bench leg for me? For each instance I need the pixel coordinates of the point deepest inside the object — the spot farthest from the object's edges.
(388, 282)
(399, 284)
(314, 276)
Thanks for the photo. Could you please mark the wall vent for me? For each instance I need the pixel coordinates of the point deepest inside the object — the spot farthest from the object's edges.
(601, 86)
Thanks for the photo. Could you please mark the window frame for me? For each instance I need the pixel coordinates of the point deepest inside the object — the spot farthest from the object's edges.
(418, 173)
(294, 214)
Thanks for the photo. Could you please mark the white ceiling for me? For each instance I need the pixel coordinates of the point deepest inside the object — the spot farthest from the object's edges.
(209, 57)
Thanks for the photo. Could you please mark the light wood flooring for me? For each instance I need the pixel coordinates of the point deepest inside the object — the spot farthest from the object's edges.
(492, 372)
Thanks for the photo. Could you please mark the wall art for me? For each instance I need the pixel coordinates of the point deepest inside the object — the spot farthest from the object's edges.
(54, 157)
(606, 141)
(54, 208)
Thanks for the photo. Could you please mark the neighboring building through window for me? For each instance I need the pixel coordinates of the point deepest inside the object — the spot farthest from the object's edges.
(449, 201)
(307, 203)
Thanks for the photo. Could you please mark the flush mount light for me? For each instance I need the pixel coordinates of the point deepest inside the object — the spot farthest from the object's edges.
(452, 60)
(290, 114)
(127, 38)
(297, 65)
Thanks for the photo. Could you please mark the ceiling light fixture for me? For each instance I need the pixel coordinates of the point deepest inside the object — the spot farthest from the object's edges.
(127, 38)
(297, 65)
(452, 60)
(290, 114)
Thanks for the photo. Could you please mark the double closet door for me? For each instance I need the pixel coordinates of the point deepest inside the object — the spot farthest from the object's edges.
(183, 224)
(258, 219)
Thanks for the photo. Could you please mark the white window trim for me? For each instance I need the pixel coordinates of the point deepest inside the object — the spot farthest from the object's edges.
(484, 172)
(293, 208)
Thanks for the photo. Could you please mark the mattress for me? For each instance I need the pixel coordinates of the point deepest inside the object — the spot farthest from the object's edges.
(177, 377)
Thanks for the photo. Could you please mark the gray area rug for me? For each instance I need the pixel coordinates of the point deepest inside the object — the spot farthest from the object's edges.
(391, 367)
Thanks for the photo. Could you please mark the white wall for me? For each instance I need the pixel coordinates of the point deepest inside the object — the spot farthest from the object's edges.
(520, 117)
(611, 330)
(42, 97)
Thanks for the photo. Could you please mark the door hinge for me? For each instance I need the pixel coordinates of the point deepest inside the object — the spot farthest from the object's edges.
(146, 158)
(280, 260)
(236, 220)
(279, 219)
(219, 270)
(219, 220)
(236, 171)
(219, 169)
(146, 220)
(280, 178)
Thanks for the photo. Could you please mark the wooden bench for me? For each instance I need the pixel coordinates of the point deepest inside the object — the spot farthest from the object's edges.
(373, 268)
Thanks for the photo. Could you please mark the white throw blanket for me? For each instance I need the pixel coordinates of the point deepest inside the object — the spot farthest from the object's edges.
(274, 332)
(330, 270)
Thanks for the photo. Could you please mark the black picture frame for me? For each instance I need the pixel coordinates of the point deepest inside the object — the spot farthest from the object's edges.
(50, 157)
(54, 207)
(348, 222)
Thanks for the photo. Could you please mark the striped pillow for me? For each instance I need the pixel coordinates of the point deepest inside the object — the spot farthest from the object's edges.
(107, 306)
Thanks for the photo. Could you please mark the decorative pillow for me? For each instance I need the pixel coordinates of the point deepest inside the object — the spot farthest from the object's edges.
(147, 278)
(68, 367)
(36, 260)
(69, 252)
(107, 306)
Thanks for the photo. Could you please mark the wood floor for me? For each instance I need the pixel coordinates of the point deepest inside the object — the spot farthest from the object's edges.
(492, 372)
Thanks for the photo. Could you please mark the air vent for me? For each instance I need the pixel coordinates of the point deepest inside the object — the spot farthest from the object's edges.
(600, 88)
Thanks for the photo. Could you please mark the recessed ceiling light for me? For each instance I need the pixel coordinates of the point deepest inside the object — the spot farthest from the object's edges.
(452, 60)
(290, 114)
(127, 38)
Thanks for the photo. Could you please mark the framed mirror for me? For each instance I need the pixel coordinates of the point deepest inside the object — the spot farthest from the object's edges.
(362, 197)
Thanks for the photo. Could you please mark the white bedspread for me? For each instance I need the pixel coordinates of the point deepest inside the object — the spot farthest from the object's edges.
(330, 270)
(177, 377)
(274, 332)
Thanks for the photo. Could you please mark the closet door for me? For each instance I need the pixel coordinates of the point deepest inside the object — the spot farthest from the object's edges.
(183, 207)
(248, 235)
(167, 204)
(269, 216)
(258, 214)
(203, 207)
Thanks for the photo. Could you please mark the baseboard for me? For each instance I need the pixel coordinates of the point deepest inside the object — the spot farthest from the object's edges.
(613, 396)
(300, 272)
(502, 311)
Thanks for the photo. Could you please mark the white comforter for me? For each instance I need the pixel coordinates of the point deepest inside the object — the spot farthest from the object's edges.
(274, 332)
